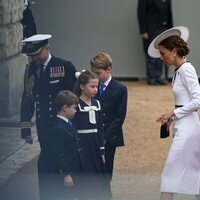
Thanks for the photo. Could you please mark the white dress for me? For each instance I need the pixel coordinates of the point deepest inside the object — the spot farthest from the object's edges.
(181, 173)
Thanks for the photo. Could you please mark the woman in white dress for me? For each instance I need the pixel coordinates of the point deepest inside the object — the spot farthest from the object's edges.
(181, 173)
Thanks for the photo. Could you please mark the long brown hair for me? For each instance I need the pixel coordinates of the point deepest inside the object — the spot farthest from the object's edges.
(176, 42)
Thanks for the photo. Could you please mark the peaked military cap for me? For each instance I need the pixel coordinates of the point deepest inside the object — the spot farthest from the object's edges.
(35, 43)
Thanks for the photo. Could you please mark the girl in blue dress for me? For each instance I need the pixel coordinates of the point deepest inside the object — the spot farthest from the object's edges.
(89, 127)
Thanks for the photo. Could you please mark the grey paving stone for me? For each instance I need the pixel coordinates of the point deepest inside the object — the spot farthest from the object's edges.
(14, 152)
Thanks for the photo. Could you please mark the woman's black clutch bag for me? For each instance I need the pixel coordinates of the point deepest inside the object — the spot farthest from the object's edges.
(164, 132)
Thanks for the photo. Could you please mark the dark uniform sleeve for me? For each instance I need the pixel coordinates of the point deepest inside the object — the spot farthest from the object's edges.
(170, 16)
(70, 76)
(141, 13)
(29, 27)
(27, 104)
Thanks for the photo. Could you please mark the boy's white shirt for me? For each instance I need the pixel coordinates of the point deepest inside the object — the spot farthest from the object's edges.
(64, 118)
(108, 81)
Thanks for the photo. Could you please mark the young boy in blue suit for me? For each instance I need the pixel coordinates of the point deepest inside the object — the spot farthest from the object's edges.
(66, 165)
(113, 98)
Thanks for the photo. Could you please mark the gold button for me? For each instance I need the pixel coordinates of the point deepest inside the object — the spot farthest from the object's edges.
(104, 114)
(50, 96)
(50, 109)
(37, 95)
(51, 116)
(103, 124)
(50, 102)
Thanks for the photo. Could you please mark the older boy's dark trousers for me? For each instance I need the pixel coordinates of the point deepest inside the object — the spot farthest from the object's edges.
(109, 159)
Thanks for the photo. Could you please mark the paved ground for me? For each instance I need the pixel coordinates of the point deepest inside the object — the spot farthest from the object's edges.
(18, 167)
(14, 153)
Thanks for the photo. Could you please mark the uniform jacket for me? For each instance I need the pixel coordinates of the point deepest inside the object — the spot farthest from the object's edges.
(29, 27)
(40, 91)
(154, 16)
(114, 105)
(65, 148)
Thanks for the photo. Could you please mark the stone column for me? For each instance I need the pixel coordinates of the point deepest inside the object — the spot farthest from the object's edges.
(12, 62)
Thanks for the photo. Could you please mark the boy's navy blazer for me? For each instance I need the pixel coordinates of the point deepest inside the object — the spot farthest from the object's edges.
(114, 105)
(65, 150)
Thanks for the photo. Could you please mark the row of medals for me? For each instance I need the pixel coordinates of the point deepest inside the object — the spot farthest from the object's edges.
(58, 71)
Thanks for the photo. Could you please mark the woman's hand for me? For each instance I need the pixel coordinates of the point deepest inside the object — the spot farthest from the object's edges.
(166, 118)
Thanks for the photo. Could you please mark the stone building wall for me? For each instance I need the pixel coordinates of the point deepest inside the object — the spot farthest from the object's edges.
(12, 62)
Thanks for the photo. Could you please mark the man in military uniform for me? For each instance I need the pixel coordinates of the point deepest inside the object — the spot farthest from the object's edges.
(44, 77)
(154, 17)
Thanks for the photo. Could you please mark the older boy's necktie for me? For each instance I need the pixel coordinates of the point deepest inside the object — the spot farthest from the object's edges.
(69, 123)
(102, 88)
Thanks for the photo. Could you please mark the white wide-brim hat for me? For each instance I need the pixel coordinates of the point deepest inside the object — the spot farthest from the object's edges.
(181, 31)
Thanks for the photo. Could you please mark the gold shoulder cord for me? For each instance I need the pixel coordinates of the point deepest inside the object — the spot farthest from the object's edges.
(28, 83)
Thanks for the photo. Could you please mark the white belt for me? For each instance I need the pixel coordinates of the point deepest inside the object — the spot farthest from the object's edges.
(87, 131)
